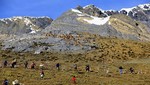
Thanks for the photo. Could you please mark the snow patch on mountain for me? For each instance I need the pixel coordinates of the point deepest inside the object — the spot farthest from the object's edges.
(27, 21)
(144, 6)
(127, 9)
(32, 30)
(98, 21)
(5, 19)
(75, 10)
(17, 17)
(87, 6)
(81, 15)
(93, 20)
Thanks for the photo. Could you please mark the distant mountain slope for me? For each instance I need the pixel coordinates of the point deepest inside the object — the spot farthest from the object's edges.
(140, 13)
(20, 25)
(94, 20)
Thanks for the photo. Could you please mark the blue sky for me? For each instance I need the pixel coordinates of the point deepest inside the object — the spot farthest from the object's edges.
(54, 8)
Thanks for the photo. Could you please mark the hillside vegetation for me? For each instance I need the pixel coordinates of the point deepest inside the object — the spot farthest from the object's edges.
(106, 53)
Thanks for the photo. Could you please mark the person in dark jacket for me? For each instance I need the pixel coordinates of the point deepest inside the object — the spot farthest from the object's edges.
(14, 63)
(33, 65)
(87, 68)
(5, 82)
(26, 64)
(58, 66)
(5, 63)
(131, 70)
(121, 70)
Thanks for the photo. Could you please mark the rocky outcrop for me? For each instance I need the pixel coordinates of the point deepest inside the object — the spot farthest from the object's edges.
(41, 43)
(92, 10)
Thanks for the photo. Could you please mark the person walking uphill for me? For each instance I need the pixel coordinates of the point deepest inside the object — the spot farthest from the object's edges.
(121, 70)
(75, 67)
(5, 82)
(58, 66)
(42, 74)
(131, 70)
(14, 62)
(26, 64)
(74, 80)
(33, 65)
(5, 63)
(87, 68)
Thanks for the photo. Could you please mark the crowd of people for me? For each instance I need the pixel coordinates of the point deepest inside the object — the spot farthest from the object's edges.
(57, 66)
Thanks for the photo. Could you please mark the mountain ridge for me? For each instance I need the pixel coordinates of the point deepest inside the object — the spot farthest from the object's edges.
(73, 31)
(91, 15)
(23, 24)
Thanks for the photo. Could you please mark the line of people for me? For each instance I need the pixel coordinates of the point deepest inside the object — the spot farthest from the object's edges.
(33, 65)
(58, 67)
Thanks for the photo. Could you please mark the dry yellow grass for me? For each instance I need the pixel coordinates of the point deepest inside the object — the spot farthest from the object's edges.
(95, 77)
(111, 53)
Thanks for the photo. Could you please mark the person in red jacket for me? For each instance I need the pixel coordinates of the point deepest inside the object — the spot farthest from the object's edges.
(74, 80)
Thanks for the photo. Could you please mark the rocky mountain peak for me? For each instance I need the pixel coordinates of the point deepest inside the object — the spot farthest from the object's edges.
(140, 13)
(105, 23)
(92, 10)
(90, 6)
(144, 6)
(139, 8)
(23, 24)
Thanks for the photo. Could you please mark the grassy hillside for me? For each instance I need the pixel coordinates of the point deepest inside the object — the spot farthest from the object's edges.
(108, 54)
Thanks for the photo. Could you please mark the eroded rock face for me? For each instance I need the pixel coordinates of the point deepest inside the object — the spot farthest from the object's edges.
(111, 12)
(40, 43)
